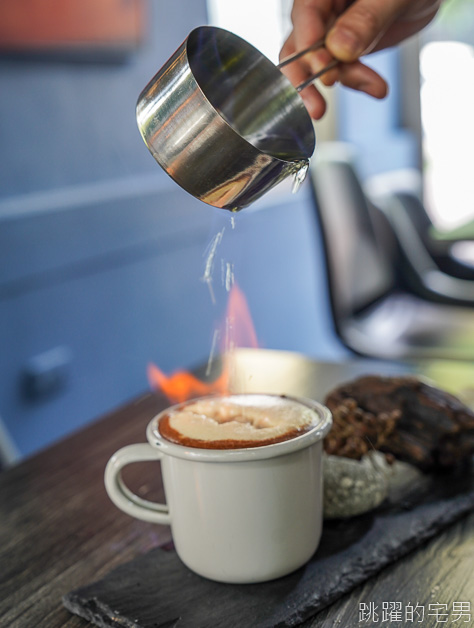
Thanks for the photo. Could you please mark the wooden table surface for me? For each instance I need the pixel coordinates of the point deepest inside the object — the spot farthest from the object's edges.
(59, 530)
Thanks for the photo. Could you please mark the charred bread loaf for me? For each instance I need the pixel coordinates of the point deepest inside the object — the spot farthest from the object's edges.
(404, 417)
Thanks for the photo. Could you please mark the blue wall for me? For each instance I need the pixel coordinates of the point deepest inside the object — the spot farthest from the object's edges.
(374, 127)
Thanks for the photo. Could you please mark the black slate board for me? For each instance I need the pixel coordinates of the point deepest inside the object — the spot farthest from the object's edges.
(156, 590)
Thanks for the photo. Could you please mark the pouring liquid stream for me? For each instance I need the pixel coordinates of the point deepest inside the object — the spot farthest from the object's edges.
(235, 328)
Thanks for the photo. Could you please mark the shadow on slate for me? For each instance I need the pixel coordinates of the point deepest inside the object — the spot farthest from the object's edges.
(156, 590)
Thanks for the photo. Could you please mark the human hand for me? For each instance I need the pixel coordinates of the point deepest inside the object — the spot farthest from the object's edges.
(353, 28)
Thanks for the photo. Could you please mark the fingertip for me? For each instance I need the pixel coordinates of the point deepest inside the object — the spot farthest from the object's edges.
(376, 89)
(314, 102)
(330, 78)
(384, 90)
(364, 79)
(328, 82)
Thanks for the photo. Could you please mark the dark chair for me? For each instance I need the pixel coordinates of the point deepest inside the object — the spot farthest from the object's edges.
(382, 306)
(397, 194)
(421, 268)
(442, 252)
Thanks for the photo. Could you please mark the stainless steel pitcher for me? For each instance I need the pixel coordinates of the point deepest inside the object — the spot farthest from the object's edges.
(223, 121)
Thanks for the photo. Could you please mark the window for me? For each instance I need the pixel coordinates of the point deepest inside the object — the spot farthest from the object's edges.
(263, 23)
(447, 106)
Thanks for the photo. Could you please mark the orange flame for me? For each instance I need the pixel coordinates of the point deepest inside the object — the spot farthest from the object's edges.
(242, 331)
(239, 332)
(182, 385)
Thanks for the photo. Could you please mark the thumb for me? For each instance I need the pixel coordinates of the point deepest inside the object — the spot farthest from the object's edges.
(360, 27)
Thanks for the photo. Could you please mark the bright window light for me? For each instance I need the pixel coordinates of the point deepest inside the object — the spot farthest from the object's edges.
(263, 23)
(447, 106)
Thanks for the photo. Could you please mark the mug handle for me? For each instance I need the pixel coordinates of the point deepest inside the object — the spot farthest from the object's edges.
(122, 496)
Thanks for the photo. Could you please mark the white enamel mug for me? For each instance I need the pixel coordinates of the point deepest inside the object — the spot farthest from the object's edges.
(236, 515)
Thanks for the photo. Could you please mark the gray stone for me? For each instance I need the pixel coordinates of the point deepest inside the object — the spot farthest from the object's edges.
(352, 487)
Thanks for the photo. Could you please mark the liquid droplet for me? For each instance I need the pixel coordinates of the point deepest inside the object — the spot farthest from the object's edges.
(229, 344)
(300, 176)
(229, 276)
(212, 353)
(209, 266)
